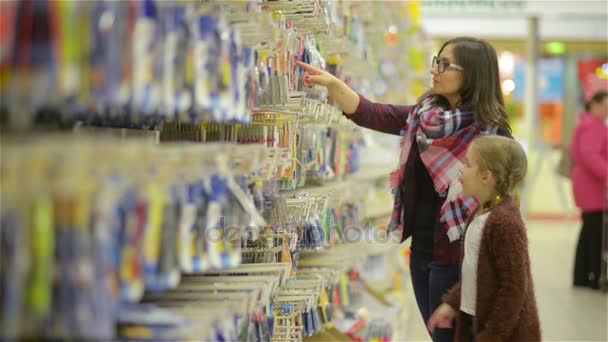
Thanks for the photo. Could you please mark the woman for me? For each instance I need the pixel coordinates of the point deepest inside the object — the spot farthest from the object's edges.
(464, 102)
(589, 152)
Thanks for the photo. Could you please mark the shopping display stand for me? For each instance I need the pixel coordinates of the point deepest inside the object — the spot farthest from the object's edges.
(195, 198)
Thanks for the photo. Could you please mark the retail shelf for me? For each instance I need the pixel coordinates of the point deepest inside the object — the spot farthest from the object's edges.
(373, 307)
(378, 212)
(151, 135)
(329, 334)
(366, 175)
(357, 250)
(371, 173)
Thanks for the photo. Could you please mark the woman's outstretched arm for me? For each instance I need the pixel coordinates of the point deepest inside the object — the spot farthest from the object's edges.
(380, 117)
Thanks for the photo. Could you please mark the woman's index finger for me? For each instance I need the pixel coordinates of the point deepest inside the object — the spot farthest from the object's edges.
(309, 67)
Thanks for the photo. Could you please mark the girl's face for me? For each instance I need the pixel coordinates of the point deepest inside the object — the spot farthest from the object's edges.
(475, 182)
(449, 82)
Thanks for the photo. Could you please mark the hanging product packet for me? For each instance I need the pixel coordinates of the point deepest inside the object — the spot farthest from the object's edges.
(323, 306)
(312, 56)
(105, 225)
(316, 322)
(329, 226)
(147, 322)
(74, 291)
(291, 140)
(187, 217)
(264, 93)
(316, 155)
(227, 231)
(222, 110)
(83, 310)
(41, 243)
(335, 155)
(133, 211)
(353, 157)
(71, 24)
(286, 256)
(327, 172)
(243, 214)
(157, 202)
(306, 146)
(147, 62)
(8, 32)
(169, 271)
(235, 107)
(62, 286)
(12, 277)
(270, 318)
(110, 62)
(169, 177)
(218, 199)
(176, 97)
(204, 53)
(293, 51)
(98, 299)
(251, 82)
(32, 78)
(320, 235)
(13, 252)
(336, 224)
(200, 247)
(118, 227)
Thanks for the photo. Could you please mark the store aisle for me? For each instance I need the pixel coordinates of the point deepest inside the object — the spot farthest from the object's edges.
(566, 313)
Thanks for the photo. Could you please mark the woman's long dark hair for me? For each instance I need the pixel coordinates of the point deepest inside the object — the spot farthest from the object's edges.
(481, 92)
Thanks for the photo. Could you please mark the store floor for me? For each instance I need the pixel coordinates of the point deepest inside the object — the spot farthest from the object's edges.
(566, 313)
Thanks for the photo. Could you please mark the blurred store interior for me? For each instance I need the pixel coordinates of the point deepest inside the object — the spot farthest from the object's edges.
(130, 129)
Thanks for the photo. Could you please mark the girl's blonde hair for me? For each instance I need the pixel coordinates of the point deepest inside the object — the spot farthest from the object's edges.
(505, 158)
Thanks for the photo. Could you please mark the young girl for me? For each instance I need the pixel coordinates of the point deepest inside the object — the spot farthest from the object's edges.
(494, 300)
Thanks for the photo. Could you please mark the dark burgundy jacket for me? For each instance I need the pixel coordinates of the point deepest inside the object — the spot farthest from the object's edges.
(506, 305)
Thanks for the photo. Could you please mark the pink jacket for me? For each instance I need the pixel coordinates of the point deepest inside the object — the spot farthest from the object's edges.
(590, 157)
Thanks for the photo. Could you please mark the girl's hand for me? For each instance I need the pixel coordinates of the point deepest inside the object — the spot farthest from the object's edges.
(442, 317)
(314, 76)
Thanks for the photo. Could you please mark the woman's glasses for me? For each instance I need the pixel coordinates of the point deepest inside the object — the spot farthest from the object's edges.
(441, 64)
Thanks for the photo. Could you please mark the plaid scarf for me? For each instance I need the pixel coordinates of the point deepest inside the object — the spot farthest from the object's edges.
(443, 138)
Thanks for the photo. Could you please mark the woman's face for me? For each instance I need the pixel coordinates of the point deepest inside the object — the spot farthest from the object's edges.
(600, 109)
(449, 82)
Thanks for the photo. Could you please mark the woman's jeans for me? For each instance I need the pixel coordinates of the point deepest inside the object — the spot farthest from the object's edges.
(431, 281)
